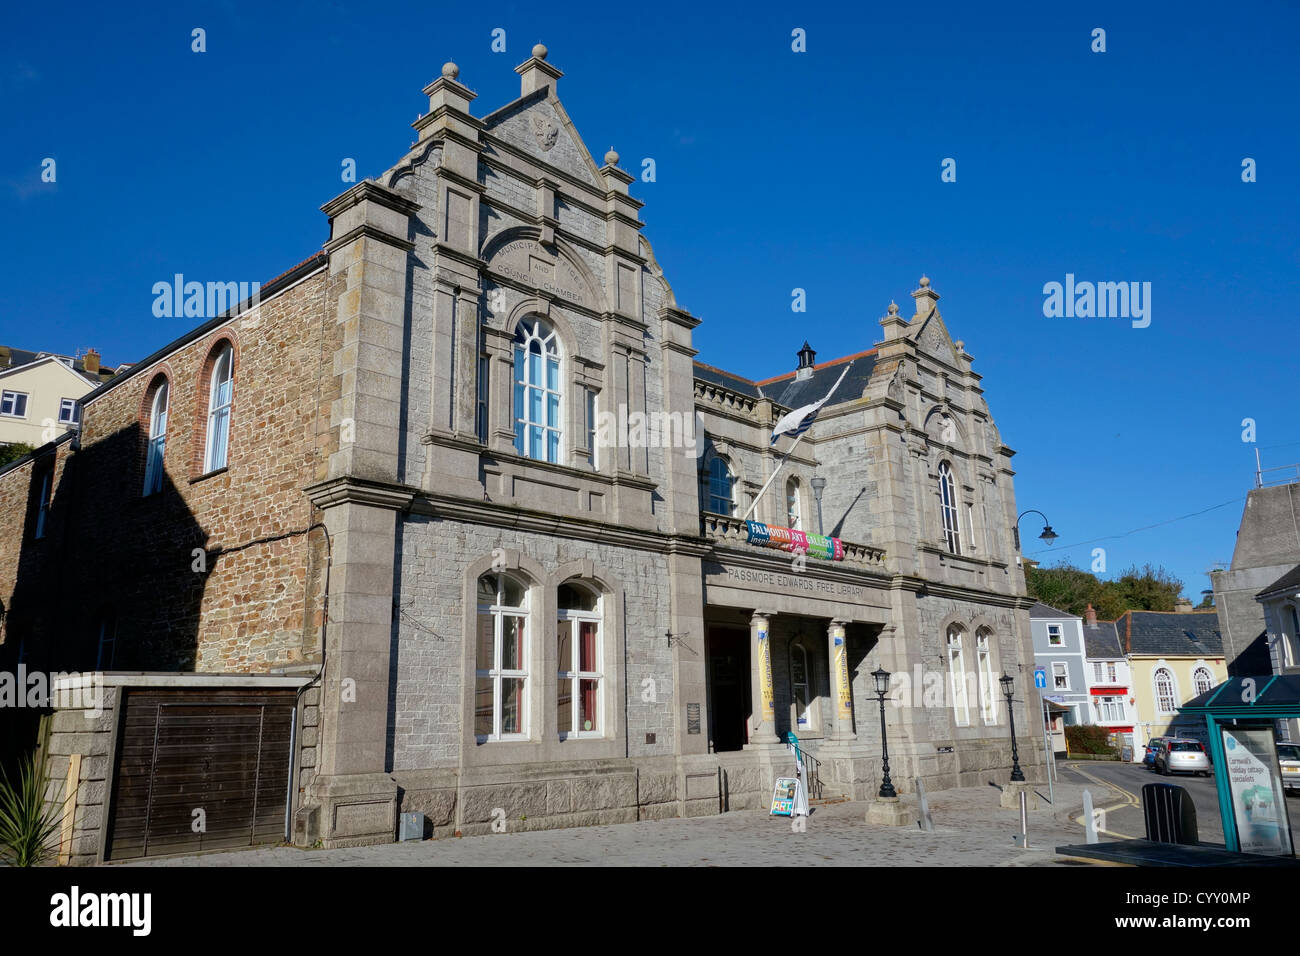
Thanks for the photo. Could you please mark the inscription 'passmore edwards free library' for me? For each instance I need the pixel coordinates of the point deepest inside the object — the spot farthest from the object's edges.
(799, 582)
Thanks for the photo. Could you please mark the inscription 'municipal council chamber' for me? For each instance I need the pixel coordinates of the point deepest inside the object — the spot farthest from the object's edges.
(527, 261)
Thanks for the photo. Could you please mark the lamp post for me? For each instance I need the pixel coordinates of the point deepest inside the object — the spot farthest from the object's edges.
(818, 485)
(1048, 534)
(881, 677)
(1016, 775)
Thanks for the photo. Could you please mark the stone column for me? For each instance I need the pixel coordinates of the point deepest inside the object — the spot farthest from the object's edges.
(762, 695)
(841, 687)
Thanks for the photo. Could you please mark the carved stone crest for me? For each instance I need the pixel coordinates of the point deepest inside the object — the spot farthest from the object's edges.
(546, 132)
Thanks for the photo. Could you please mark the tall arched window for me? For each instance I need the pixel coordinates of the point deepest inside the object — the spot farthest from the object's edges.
(1202, 680)
(720, 489)
(988, 682)
(580, 688)
(801, 687)
(538, 427)
(43, 502)
(153, 472)
(501, 675)
(1166, 695)
(220, 396)
(948, 503)
(793, 511)
(957, 676)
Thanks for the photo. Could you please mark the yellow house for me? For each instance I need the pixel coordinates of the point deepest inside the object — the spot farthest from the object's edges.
(1174, 657)
(40, 392)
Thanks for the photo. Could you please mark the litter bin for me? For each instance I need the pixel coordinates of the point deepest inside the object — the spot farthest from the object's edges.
(1170, 814)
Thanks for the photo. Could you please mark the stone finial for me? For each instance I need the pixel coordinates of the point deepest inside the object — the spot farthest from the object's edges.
(893, 307)
(450, 70)
(925, 281)
(536, 74)
(959, 344)
(540, 51)
(611, 158)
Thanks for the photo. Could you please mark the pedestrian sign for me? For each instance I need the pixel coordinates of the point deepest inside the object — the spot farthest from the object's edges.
(1040, 677)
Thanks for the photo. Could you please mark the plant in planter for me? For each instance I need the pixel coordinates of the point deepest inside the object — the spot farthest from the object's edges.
(27, 825)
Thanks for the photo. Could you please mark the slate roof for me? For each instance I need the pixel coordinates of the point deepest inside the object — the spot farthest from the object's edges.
(1194, 634)
(1287, 582)
(1101, 641)
(1041, 610)
(20, 357)
(786, 391)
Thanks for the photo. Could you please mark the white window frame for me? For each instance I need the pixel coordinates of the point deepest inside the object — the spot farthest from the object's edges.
(1058, 632)
(9, 399)
(793, 504)
(1112, 673)
(574, 674)
(495, 671)
(1196, 681)
(156, 453)
(970, 527)
(221, 395)
(948, 503)
(1063, 673)
(988, 680)
(1096, 672)
(593, 412)
(710, 496)
(72, 408)
(1173, 690)
(957, 676)
(533, 374)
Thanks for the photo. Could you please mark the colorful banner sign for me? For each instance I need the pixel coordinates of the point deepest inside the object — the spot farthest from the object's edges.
(1258, 802)
(843, 690)
(765, 676)
(789, 798)
(795, 541)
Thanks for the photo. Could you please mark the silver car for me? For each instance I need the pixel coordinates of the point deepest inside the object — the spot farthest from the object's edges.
(1288, 755)
(1181, 755)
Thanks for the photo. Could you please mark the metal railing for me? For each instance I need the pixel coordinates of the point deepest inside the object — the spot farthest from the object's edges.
(1289, 474)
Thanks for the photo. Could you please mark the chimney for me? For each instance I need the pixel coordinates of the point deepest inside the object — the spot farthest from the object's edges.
(925, 297)
(6, 356)
(1090, 616)
(1183, 606)
(807, 358)
(536, 73)
(91, 362)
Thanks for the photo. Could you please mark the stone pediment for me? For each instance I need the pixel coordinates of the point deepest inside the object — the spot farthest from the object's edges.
(539, 126)
(546, 270)
(932, 338)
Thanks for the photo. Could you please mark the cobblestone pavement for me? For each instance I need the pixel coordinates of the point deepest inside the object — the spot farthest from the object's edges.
(970, 830)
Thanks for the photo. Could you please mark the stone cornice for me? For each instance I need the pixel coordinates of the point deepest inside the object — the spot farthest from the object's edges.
(370, 191)
(369, 232)
(349, 490)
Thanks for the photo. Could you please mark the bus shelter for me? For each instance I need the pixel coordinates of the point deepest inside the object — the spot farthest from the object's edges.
(1241, 717)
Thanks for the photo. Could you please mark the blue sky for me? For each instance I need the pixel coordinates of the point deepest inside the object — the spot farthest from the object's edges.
(775, 170)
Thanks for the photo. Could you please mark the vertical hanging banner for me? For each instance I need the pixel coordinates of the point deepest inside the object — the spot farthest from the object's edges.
(765, 676)
(843, 690)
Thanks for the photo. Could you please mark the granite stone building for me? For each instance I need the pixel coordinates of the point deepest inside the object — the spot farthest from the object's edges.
(452, 521)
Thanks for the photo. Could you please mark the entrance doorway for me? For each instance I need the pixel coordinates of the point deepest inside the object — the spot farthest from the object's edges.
(729, 683)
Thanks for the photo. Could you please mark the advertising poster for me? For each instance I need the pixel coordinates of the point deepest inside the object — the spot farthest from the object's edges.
(843, 692)
(1254, 781)
(765, 672)
(787, 798)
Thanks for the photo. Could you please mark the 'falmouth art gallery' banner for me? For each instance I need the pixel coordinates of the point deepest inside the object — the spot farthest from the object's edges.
(789, 539)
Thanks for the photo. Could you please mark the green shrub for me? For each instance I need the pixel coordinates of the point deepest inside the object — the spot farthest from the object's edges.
(1088, 739)
(27, 825)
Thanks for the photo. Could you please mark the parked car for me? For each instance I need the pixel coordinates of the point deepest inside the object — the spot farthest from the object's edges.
(1149, 757)
(1288, 755)
(1181, 755)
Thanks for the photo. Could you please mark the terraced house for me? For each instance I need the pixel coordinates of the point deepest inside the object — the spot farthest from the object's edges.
(372, 544)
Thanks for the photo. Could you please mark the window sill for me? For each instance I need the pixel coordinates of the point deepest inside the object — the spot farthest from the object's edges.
(206, 475)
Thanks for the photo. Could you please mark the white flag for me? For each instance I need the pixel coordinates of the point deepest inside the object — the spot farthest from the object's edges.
(801, 419)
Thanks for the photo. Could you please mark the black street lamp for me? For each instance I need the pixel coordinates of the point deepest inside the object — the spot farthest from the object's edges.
(1016, 774)
(818, 485)
(882, 685)
(1048, 534)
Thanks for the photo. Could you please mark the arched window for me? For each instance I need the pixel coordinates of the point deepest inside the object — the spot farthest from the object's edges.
(957, 676)
(220, 396)
(1291, 641)
(720, 489)
(43, 501)
(580, 699)
(801, 687)
(1166, 695)
(948, 503)
(501, 675)
(793, 511)
(988, 682)
(153, 472)
(537, 391)
(1202, 680)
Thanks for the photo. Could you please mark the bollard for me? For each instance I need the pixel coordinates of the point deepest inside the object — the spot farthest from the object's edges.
(925, 823)
(1022, 838)
(1089, 819)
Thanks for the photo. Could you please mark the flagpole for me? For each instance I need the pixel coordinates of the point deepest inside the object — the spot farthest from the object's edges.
(780, 465)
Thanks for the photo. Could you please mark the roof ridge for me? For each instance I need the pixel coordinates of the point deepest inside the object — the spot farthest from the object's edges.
(819, 365)
(723, 371)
